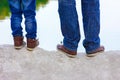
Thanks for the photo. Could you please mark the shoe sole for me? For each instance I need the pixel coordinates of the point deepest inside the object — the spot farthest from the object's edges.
(94, 54)
(30, 49)
(71, 56)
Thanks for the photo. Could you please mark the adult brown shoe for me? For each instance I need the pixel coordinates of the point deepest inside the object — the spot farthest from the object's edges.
(69, 53)
(32, 43)
(18, 42)
(95, 52)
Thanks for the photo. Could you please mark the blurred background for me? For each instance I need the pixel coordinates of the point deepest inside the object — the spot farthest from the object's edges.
(48, 23)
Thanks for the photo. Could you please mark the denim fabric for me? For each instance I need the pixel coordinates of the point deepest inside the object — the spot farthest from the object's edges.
(70, 25)
(26, 7)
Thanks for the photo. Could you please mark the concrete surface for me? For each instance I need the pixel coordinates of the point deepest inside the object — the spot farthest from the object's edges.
(54, 65)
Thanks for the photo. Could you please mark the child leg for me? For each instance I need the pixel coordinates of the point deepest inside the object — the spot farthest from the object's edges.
(16, 17)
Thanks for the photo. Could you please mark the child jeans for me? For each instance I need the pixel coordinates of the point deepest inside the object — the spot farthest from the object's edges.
(70, 24)
(26, 7)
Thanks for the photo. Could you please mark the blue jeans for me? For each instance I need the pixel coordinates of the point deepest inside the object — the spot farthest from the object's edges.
(70, 24)
(26, 7)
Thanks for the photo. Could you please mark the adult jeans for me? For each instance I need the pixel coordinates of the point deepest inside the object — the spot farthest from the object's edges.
(26, 7)
(70, 24)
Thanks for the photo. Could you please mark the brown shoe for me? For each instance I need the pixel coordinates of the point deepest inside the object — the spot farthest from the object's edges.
(69, 53)
(32, 43)
(95, 52)
(18, 42)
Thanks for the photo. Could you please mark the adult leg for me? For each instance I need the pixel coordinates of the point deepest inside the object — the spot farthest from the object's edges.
(69, 24)
(91, 23)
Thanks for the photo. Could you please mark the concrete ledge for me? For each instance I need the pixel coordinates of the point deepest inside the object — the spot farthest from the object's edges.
(54, 65)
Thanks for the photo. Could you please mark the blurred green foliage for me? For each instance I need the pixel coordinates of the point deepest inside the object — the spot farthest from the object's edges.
(5, 11)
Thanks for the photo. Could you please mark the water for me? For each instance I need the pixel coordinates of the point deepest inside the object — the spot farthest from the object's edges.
(49, 33)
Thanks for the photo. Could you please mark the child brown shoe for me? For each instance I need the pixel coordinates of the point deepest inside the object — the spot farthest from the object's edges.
(32, 43)
(18, 42)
